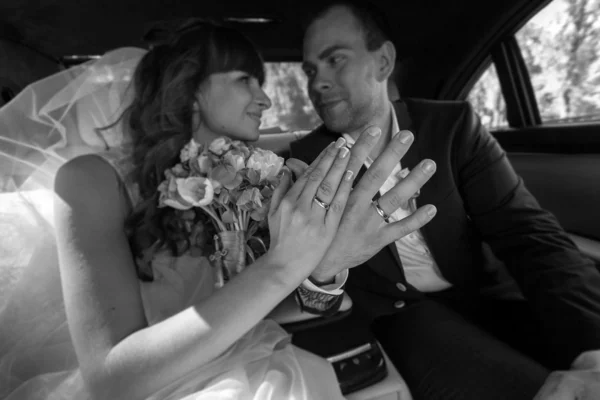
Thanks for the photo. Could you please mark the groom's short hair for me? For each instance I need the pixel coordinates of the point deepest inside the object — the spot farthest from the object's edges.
(372, 20)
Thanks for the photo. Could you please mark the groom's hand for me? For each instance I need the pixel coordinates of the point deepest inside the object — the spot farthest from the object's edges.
(581, 382)
(363, 232)
(571, 385)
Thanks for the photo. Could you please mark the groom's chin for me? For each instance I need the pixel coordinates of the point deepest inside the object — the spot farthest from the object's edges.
(338, 125)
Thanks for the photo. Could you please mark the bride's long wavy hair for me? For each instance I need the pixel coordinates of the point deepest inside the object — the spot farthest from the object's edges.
(161, 121)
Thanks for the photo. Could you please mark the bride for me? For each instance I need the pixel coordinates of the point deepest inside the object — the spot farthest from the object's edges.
(170, 335)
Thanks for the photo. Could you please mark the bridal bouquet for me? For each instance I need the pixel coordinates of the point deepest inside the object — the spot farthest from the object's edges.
(232, 183)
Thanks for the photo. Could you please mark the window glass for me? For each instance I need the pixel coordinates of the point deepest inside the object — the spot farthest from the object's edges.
(561, 48)
(488, 101)
(291, 108)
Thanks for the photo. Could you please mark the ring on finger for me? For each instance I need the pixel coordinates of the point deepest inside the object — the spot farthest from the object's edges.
(380, 211)
(321, 203)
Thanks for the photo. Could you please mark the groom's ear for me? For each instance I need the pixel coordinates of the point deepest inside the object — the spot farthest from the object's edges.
(386, 60)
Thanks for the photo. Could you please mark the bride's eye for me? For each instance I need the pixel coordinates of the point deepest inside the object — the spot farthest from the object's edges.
(245, 79)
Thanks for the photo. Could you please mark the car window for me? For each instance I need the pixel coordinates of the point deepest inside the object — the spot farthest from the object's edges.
(291, 108)
(561, 46)
(487, 100)
(561, 49)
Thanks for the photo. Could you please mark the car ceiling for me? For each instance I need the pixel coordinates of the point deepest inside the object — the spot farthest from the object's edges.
(436, 36)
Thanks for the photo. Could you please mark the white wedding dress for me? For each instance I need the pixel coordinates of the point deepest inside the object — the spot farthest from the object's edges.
(48, 123)
(263, 364)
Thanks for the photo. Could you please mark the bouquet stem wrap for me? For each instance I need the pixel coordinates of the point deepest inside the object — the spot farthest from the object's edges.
(231, 246)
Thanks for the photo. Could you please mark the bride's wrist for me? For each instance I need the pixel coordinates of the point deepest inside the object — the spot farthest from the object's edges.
(284, 270)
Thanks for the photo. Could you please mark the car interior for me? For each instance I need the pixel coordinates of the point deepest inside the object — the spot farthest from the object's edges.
(444, 50)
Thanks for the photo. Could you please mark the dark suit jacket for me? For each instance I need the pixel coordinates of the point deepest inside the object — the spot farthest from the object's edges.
(480, 199)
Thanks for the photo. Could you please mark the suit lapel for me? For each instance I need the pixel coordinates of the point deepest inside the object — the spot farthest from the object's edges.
(435, 232)
(410, 159)
(427, 193)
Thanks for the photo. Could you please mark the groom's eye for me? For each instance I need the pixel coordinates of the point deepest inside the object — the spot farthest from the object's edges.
(309, 72)
(336, 59)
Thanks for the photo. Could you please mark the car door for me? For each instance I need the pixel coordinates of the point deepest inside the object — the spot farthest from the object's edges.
(538, 92)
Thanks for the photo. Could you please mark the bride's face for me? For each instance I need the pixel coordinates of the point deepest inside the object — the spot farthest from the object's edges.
(230, 104)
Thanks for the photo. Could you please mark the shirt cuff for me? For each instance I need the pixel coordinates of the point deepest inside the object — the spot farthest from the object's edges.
(334, 289)
(587, 360)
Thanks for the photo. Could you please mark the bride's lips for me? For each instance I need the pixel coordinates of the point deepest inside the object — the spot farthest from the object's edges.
(255, 116)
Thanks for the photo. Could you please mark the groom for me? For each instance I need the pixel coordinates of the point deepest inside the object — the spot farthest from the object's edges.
(421, 293)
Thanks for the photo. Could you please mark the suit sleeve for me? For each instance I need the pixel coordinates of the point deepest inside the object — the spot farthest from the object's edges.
(561, 285)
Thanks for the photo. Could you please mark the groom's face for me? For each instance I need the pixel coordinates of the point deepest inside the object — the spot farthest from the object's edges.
(341, 71)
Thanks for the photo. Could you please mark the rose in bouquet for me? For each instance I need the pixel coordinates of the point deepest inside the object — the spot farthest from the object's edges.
(232, 183)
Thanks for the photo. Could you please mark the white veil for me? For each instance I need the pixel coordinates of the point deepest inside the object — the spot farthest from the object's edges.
(48, 123)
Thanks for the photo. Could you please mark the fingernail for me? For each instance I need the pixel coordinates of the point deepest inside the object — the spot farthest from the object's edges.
(348, 175)
(340, 142)
(428, 166)
(431, 211)
(344, 152)
(405, 137)
(374, 131)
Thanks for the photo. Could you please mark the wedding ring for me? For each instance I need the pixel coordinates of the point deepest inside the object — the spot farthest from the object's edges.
(321, 203)
(380, 211)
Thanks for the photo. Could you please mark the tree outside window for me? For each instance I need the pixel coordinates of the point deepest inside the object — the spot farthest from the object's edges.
(291, 110)
(561, 48)
(486, 98)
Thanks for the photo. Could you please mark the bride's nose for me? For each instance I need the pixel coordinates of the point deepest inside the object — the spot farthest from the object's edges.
(263, 100)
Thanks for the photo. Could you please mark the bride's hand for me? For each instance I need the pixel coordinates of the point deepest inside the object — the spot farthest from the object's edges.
(304, 218)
